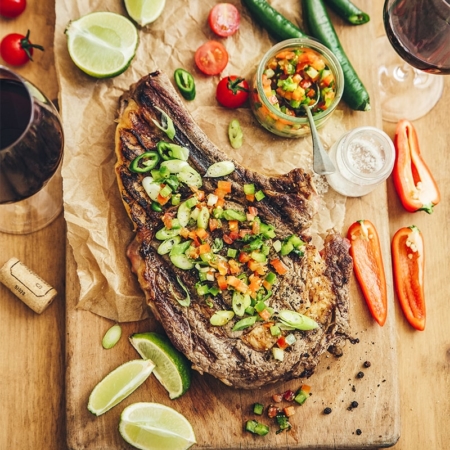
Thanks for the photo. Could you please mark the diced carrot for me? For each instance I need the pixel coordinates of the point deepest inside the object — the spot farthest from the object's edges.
(184, 232)
(224, 186)
(267, 285)
(256, 227)
(265, 314)
(222, 282)
(305, 388)
(220, 193)
(222, 267)
(279, 266)
(238, 284)
(213, 224)
(204, 248)
(220, 202)
(235, 267)
(289, 411)
(162, 200)
(192, 253)
(200, 195)
(255, 283)
(244, 257)
(201, 233)
(285, 54)
(250, 197)
(233, 225)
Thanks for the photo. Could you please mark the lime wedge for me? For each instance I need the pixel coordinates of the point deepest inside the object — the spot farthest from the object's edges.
(172, 368)
(119, 384)
(102, 44)
(144, 12)
(152, 426)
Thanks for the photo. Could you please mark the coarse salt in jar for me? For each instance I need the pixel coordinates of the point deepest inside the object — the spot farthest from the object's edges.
(364, 158)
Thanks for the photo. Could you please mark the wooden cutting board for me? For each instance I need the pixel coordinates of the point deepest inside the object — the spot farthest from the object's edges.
(217, 412)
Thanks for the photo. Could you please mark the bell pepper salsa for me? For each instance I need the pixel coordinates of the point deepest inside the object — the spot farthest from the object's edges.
(294, 77)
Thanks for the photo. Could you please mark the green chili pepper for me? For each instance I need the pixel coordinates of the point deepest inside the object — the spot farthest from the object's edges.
(145, 162)
(185, 83)
(166, 124)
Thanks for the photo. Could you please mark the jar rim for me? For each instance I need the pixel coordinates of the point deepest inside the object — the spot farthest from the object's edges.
(331, 59)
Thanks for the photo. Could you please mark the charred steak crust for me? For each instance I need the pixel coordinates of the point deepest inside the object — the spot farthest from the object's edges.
(316, 285)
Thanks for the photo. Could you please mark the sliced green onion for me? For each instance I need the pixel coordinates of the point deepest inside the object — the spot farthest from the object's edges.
(244, 323)
(182, 301)
(240, 303)
(221, 318)
(220, 169)
(165, 191)
(112, 336)
(151, 188)
(167, 245)
(232, 214)
(203, 217)
(180, 249)
(235, 134)
(297, 320)
(182, 262)
(174, 165)
(165, 233)
(188, 175)
(166, 124)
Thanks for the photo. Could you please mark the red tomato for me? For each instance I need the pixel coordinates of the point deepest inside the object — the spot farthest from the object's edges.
(16, 49)
(211, 58)
(232, 91)
(12, 8)
(224, 19)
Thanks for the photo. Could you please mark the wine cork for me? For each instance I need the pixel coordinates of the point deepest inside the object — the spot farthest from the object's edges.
(26, 285)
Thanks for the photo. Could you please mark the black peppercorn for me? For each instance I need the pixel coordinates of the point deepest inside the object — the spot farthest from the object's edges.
(358, 431)
(367, 364)
(360, 375)
(327, 410)
(354, 404)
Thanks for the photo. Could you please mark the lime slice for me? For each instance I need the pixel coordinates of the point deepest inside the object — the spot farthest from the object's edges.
(102, 44)
(172, 369)
(119, 384)
(144, 12)
(152, 426)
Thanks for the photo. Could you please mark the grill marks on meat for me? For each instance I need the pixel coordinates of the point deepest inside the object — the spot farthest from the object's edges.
(316, 284)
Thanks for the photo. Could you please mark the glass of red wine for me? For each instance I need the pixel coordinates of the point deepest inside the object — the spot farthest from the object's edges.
(409, 81)
(31, 151)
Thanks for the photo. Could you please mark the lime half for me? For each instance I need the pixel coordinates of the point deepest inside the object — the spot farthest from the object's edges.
(102, 44)
(152, 426)
(172, 368)
(144, 12)
(119, 384)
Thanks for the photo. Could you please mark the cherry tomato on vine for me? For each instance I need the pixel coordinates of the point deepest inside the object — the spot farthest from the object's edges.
(12, 8)
(232, 91)
(16, 49)
(211, 58)
(224, 19)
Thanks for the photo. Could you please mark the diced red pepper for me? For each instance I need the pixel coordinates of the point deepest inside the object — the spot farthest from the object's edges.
(237, 283)
(279, 266)
(233, 225)
(244, 257)
(281, 342)
(289, 411)
(224, 186)
(222, 282)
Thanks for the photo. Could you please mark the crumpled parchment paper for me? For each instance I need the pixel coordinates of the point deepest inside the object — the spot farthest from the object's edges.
(97, 226)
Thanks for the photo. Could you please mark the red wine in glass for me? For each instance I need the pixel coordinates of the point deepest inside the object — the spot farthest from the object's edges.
(419, 31)
(31, 149)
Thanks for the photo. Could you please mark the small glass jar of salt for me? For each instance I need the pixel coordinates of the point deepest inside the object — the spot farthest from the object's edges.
(364, 158)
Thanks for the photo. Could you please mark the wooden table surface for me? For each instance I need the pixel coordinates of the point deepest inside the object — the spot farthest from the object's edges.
(32, 354)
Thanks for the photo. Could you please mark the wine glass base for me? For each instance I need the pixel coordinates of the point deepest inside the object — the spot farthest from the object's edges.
(36, 212)
(405, 92)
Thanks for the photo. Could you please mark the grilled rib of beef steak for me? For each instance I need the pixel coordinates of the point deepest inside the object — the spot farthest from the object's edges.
(315, 284)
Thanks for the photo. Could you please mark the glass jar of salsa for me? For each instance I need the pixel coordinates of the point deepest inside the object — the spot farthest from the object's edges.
(293, 73)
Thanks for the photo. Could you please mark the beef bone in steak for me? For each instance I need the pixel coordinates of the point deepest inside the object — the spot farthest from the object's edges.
(315, 285)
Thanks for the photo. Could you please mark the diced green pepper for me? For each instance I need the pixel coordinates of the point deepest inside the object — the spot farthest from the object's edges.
(258, 408)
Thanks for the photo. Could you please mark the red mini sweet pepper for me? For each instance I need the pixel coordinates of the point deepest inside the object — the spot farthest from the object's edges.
(368, 266)
(413, 180)
(408, 262)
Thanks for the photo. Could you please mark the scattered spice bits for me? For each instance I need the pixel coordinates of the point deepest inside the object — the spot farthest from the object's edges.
(360, 375)
(327, 410)
(367, 364)
(353, 404)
